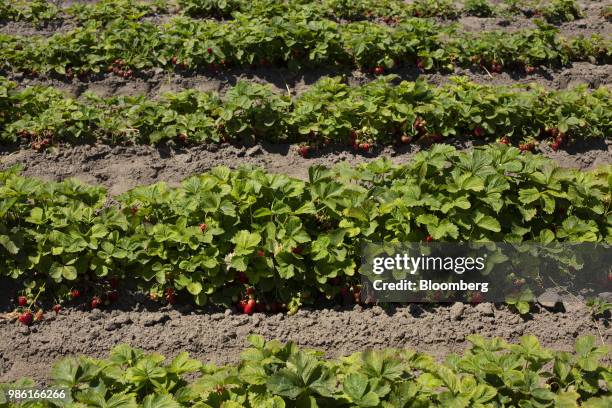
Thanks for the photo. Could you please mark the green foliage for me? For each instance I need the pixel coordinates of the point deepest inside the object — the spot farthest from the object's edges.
(57, 235)
(330, 111)
(492, 373)
(558, 11)
(297, 38)
(479, 8)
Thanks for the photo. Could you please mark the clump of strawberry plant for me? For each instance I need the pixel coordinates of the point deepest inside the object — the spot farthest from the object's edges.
(225, 231)
(491, 372)
(478, 8)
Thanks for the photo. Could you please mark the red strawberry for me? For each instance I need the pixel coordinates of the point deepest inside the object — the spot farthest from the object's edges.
(478, 131)
(22, 301)
(75, 293)
(182, 137)
(174, 60)
(112, 296)
(304, 150)
(170, 294)
(203, 227)
(242, 278)
(26, 318)
(57, 308)
(477, 298)
(96, 302)
(554, 146)
(529, 69)
(210, 51)
(250, 291)
(379, 70)
(504, 140)
(297, 250)
(249, 308)
(261, 253)
(364, 146)
(429, 238)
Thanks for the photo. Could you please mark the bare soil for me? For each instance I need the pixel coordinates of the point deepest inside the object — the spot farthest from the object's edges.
(121, 168)
(219, 337)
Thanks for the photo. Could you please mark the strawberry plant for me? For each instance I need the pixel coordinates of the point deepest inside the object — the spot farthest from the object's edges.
(490, 372)
(376, 113)
(478, 8)
(282, 236)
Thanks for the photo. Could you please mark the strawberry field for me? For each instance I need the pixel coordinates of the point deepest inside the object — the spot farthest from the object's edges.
(187, 186)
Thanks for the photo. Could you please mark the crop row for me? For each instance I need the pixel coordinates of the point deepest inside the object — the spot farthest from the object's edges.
(391, 11)
(294, 40)
(289, 240)
(377, 113)
(491, 373)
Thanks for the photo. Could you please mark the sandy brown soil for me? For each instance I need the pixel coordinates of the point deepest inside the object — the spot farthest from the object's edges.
(120, 168)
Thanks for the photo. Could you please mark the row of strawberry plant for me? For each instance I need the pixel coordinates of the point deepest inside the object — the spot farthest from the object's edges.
(391, 11)
(376, 113)
(490, 373)
(294, 40)
(227, 235)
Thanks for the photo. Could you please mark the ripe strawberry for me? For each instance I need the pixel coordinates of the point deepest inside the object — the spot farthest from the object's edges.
(26, 318)
(406, 139)
(242, 278)
(529, 69)
(40, 315)
(112, 296)
(249, 308)
(554, 146)
(242, 305)
(250, 291)
(22, 301)
(261, 253)
(75, 293)
(170, 295)
(297, 250)
(96, 302)
(209, 50)
(182, 137)
(429, 238)
(504, 140)
(478, 131)
(174, 60)
(203, 227)
(57, 308)
(304, 150)
(364, 146)
(379, 70)
(477, 298)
